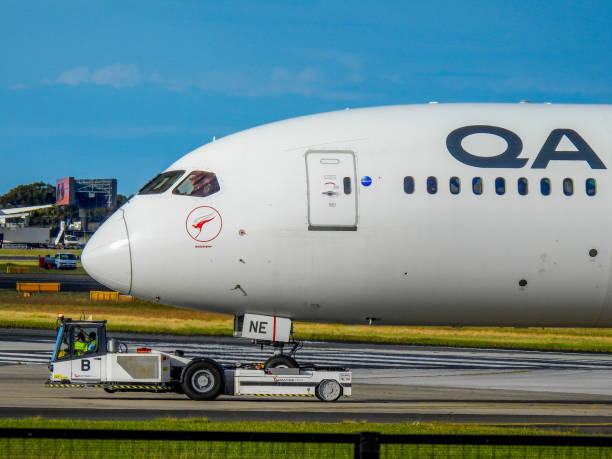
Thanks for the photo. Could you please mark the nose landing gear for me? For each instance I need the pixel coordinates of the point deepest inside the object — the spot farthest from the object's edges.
(269, 331)
(281, 361)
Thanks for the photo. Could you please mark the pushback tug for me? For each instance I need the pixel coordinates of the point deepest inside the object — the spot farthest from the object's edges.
(84, 357)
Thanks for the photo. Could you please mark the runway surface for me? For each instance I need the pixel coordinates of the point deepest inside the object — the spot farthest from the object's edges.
(390, 384)
(70, 282)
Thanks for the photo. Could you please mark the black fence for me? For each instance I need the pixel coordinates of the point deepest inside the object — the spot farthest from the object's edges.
(185, 444)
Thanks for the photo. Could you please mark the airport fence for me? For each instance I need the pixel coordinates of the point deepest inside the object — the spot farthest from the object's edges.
(107, 444)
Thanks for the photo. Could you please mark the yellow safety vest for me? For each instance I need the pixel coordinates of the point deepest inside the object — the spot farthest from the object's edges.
(80, 347)
(95, 342)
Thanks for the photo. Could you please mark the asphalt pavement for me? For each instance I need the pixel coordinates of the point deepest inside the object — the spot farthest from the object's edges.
(70, 282)
(391, 383)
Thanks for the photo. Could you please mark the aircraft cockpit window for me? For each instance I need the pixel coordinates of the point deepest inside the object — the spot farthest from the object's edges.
(523, 186)
(408, 185)
(545, 186)
(591, 187)
(198, 183)
(477, 185)
(161, 182)
(568, 187)
(454, 185)
(432, 185)
(500, 186)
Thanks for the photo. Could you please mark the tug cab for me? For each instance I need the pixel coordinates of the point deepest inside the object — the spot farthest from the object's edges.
(78, 351)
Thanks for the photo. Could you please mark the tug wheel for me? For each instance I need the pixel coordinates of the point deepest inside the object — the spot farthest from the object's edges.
(202, 381)
(281, 361)
(110, 391)
(328, 390)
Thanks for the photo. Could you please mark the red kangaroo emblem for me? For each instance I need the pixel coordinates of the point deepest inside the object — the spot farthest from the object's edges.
(203, 222)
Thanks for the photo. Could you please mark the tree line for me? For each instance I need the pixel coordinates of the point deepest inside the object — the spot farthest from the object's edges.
(39, 194)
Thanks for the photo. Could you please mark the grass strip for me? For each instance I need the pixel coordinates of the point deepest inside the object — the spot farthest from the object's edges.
(203, 424)
(107, 449)
(186, 449)
(35, 252)
(40, 310)
(35, 269)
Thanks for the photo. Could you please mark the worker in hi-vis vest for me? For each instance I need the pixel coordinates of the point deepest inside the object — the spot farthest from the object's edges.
(92, 343)
(80, 346)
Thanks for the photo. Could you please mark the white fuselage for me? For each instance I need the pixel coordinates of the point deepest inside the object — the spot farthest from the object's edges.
(294, 243)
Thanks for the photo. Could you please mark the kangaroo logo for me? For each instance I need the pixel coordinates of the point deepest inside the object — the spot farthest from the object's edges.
(203, 224)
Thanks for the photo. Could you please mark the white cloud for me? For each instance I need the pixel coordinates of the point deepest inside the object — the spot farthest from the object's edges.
(19, 86)
(74, 76)
(116, 75)
(309, 81)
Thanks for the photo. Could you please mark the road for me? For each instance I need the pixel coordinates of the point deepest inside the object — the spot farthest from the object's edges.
(391, 384)
(70, 282)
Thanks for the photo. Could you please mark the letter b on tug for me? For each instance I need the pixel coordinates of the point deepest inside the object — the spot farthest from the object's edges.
(263, 328)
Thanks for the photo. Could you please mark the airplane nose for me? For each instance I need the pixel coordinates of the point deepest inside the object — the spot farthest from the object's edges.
(106, 256)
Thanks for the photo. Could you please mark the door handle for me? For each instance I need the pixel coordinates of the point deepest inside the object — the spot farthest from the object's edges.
(97, 358)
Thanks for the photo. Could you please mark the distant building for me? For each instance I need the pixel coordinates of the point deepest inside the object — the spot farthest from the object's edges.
(18, 216)
(86, 193)
(15, 229)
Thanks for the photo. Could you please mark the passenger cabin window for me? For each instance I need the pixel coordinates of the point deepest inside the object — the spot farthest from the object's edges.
(455, 185)
(161, 182)
(591, 187)
(477, 185)
(500, 185)
(523, 186)
(568, 187)
(545, 186)
(408, 185)
(432, 185)
(198, 183)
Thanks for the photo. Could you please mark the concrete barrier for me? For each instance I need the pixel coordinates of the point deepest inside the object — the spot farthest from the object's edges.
(38, 287)
(99, 295)
(17, 269)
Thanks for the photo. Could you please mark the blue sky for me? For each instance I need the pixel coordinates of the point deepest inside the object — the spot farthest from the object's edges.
(122, 89)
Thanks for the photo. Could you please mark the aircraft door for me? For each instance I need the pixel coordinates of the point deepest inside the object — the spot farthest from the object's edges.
(332, 191)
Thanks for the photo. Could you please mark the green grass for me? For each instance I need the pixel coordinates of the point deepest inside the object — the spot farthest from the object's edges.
(203, 424)
(35, 252)
(155, 448)
(33, 264)
(34, 269)
(40, 310)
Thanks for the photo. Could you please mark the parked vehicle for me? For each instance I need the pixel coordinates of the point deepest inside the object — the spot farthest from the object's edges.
(85, 357)
(62, 260)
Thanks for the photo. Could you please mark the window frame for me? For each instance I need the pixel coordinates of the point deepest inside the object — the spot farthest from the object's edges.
(525, 181)
(434, 180)
(498, 181)
(176, 191)
(568, 180)
(179, 174)
(457, 185)
(410, 180)
(586, 185)
(549, 183)
(477, 181)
